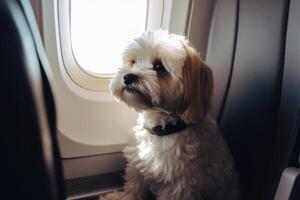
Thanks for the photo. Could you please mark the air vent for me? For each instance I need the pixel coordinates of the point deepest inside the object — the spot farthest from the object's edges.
(90, 187)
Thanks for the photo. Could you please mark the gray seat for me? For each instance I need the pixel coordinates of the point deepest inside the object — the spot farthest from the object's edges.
(287, 145)
(247, 54)
(30, 161)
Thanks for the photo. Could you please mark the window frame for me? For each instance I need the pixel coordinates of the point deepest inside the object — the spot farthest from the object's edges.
(88, 80)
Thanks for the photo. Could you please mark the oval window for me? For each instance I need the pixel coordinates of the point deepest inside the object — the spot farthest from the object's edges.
(100, 29)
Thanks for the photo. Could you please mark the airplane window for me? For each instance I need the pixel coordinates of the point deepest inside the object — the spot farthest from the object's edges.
(100, 29)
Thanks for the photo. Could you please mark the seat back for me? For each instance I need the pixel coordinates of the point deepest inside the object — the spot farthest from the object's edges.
(246, 53)
(30, 162)
(287, 145)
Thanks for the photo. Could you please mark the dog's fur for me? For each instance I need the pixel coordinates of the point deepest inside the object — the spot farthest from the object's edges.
(193, 164)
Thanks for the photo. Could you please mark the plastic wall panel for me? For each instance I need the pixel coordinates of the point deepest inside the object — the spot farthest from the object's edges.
(220, 50)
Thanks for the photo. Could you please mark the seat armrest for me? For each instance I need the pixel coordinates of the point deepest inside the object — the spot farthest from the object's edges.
(289, 185)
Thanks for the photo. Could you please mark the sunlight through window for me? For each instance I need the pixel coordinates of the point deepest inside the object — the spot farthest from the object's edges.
(100, 29)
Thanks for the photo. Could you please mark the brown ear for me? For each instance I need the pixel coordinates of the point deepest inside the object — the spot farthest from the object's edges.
(198, 87)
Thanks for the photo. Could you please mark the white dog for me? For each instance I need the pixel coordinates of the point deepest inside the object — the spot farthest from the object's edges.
(176, 152)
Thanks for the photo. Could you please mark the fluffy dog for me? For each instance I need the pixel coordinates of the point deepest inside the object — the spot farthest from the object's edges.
(176, 152)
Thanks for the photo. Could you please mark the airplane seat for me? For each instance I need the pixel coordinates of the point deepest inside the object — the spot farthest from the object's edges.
(286, 159)
(246, 51)
(30, 161)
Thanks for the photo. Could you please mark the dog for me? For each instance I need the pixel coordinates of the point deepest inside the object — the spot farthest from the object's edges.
(176, 152)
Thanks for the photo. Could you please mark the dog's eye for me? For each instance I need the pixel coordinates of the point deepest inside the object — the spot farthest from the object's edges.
(158, 66)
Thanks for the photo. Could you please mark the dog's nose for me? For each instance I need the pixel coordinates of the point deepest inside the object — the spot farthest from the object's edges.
(130, 78)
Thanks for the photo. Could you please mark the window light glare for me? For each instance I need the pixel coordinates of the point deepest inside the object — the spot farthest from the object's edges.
(100, 30)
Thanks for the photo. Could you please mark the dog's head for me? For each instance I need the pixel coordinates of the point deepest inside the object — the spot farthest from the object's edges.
(162, 71)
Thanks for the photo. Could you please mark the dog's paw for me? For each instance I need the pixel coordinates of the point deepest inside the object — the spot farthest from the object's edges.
(113, 196)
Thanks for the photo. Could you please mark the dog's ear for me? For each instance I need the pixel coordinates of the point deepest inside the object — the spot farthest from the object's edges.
(198, 87)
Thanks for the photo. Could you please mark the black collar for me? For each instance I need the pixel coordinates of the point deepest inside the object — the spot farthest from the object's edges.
(168, 129)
